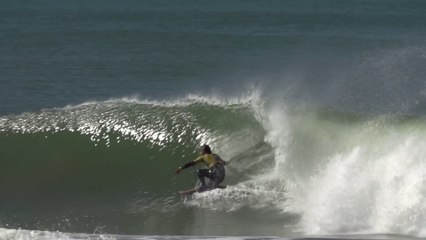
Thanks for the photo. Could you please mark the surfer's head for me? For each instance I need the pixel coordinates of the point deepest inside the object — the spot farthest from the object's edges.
(205, 149)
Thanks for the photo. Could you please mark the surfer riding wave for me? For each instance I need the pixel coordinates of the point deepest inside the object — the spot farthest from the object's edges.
(215, 172)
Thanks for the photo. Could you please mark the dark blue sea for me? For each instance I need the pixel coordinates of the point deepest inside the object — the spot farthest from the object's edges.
(319, 105)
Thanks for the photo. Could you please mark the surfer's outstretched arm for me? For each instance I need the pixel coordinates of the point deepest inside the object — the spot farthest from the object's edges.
(187, 165)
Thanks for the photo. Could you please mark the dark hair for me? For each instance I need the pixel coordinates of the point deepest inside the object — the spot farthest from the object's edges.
(206, 149)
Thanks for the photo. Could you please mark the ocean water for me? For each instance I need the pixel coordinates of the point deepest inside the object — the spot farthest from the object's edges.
(319, 105)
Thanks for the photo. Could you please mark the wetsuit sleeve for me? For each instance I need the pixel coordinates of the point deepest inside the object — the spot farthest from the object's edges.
(190, 164)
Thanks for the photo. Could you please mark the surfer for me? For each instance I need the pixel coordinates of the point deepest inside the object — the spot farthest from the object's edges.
(215, 171)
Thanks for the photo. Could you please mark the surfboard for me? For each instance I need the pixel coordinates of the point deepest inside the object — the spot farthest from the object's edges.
(194, 190)
(188, 192)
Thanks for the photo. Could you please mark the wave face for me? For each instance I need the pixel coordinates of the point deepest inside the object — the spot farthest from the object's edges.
(107, 167)
(105, 164)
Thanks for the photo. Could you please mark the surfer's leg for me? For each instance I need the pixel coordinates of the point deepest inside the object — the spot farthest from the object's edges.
(212, 175)
(217, 176)
(201, 174)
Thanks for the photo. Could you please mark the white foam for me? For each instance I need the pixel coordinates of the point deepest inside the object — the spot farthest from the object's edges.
(236, 197)
(370, 178)
(18, 234)
(372, 188)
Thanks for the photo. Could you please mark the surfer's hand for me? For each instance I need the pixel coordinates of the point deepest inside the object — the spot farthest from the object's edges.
(178, 170)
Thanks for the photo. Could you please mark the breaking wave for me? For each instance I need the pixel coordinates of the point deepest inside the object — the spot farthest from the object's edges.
(333, 172)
